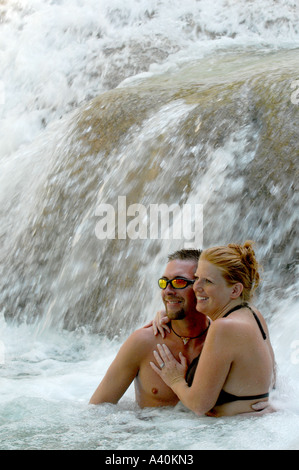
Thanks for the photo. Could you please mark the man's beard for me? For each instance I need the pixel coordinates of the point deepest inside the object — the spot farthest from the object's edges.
(179, 315)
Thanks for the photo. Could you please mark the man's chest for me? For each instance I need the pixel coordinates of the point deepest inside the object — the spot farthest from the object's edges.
(150, 389)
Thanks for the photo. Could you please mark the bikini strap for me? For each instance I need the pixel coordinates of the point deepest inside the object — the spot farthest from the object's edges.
(245, 305)
(237, 307)
(258, 322)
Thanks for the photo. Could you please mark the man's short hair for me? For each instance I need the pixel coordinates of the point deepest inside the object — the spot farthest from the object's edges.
(185, 254)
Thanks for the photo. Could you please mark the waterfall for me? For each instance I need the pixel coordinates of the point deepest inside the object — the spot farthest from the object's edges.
(153, 111)
(226, 141)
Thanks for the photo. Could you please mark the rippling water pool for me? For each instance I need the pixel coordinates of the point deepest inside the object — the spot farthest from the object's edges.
(47, 380)
(166, 102)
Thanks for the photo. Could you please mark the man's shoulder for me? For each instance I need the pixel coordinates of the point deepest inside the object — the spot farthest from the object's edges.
(141, 340)
(143, 336)
(136, 346)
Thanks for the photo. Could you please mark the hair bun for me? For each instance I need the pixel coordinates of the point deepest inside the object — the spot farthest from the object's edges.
(249, 259)
(246, 254)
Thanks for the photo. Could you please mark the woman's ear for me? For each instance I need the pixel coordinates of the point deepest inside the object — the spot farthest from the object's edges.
(237, 290)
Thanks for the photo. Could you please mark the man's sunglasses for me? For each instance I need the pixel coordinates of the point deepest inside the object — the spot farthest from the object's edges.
(176, 283)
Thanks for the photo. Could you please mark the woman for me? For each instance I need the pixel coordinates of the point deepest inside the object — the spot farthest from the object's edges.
(236, 366)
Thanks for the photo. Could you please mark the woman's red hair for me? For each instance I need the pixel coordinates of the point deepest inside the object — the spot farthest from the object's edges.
(237, 263)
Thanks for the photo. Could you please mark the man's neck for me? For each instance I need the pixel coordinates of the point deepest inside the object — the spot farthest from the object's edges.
(190, 327)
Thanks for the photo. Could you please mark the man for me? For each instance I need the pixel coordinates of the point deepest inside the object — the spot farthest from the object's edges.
(188, 329)
(187, 335)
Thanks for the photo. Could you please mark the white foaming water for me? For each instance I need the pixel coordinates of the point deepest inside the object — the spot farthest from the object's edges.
(55, 56)
(47, 380)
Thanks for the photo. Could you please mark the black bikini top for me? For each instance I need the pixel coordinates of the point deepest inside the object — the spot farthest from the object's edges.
(225, 397)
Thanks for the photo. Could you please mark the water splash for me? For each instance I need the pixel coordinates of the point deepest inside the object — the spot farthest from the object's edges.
(161, 102)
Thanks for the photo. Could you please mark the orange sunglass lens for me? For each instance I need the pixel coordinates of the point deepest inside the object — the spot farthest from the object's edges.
(179, 283)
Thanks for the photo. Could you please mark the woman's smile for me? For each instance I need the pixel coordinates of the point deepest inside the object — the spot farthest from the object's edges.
(201, 298)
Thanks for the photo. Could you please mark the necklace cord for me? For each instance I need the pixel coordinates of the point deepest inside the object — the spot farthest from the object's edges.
(185, 339)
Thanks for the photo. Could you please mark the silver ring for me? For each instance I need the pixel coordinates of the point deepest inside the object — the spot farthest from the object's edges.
(162, 365)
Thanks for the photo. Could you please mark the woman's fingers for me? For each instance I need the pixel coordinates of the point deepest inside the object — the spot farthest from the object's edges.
(183, 360)
(167, 355)
(164, 357)
(160, 330)
(158, 358)
(155, 368)
(164, 323)
(160, 324)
